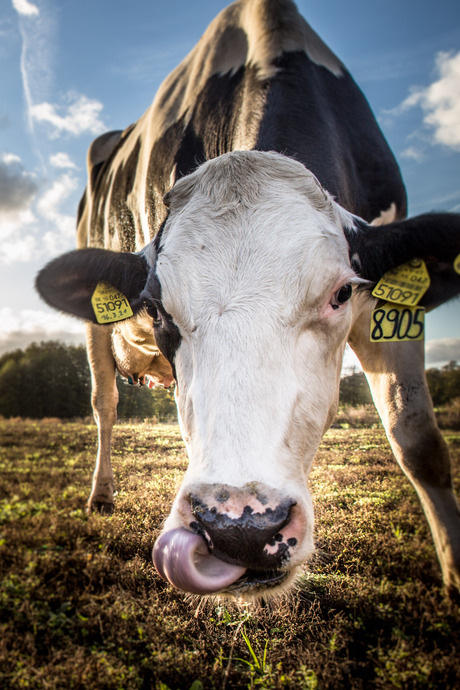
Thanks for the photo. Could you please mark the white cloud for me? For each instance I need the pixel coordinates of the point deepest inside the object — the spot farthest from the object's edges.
(20, 328)
(17, 186)
(83, 115)
(49, 207)
(18, 190)
(414, 153)
(441, 351)
(440, 102)
(62, 160)
(25, 209)
(26, 8)
(17, 240)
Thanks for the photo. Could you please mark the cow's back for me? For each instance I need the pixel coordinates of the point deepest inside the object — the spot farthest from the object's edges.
(260, 78)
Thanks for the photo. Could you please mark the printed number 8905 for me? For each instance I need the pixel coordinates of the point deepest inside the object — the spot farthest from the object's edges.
(394, 323)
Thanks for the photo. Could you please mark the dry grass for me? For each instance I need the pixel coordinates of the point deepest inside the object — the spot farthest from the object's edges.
(81, 605)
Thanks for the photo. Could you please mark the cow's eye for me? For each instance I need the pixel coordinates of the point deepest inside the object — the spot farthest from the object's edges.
(342, 295)
(153, 311)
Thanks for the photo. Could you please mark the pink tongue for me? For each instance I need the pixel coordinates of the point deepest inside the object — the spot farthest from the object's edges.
(182, 557)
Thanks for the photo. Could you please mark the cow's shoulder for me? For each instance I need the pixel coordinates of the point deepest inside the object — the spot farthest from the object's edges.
(248, 33)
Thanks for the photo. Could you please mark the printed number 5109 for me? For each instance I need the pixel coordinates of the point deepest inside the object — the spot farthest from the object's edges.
(394, 322)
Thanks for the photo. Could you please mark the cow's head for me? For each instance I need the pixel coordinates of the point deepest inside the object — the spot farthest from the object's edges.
(248, 292)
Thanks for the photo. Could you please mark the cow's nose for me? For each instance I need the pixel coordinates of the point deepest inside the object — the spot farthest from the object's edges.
(249, 526)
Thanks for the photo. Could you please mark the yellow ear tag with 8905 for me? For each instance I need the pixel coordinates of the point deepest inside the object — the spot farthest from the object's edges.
(109, 304)
(397, 323)
(405, 284)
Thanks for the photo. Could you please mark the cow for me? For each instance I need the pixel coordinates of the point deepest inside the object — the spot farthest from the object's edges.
(238, 230)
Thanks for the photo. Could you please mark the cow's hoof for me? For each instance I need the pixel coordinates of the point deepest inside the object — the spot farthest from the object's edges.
(101, 507)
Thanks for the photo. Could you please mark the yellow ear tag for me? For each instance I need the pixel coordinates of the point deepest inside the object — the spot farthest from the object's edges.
(397, 323)
(457, 264)
(109, 304)
(405, 284)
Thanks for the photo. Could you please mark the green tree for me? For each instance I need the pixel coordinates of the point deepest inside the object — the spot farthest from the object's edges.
(444, 383)
(45, 380)
(354, 390)
(51, 379)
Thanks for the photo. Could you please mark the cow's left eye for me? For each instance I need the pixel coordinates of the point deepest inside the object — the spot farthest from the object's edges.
(342, 295)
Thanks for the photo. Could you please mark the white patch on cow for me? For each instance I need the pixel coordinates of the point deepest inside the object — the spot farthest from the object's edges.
(385, 217)
(251, 255)
(271, 33)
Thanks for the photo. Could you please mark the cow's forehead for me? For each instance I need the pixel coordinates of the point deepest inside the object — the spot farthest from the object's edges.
(261, 223)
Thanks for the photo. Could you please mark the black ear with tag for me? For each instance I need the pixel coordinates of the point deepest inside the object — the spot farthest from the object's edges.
(433, 237)
(68, 282)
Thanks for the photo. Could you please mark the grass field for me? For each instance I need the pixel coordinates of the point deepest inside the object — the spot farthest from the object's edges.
(82, 607)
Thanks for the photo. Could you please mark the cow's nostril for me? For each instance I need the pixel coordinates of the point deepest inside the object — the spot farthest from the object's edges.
(241, 534)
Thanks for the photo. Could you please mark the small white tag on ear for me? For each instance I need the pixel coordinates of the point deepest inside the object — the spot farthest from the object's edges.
(109, 304)
(405, 284)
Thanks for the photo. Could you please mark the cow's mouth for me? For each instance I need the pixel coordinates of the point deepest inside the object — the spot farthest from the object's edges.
(182, 558)
(254, 580)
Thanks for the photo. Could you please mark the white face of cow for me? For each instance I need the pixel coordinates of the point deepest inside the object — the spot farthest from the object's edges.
(253, 271)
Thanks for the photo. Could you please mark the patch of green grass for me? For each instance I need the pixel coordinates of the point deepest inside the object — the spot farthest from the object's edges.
(81, 605)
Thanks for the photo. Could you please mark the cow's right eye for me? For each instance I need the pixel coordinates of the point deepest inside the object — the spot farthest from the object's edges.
(153, 312)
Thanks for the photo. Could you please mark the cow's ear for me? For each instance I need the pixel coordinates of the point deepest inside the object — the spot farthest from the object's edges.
(68, 282)
(433, 237)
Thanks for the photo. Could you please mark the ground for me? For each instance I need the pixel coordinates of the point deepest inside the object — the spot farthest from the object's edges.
(82, 607)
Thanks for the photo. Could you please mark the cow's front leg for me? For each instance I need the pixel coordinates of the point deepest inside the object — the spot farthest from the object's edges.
(396, 376)
(104, 401)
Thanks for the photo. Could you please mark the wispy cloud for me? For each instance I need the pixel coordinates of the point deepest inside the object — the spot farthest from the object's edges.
(37, 27)
(77, 114)
(440, 103)
(80, 116)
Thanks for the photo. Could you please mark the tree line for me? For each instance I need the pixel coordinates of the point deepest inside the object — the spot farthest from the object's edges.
(51, 379)
(444, 386)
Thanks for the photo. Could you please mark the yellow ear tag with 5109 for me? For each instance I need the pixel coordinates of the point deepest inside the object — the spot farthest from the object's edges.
(405, 284)
(109, 304)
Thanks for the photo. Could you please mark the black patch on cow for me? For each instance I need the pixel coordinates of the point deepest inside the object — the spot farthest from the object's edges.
(325, 122)
(305, 112)
(167, 334)
(68, 282)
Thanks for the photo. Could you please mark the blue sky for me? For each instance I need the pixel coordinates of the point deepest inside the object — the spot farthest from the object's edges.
(72, 69)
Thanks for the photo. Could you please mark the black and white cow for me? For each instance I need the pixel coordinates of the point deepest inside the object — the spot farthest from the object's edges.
(245, 218)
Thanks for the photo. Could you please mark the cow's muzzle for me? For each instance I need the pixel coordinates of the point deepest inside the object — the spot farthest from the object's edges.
(233, 539)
